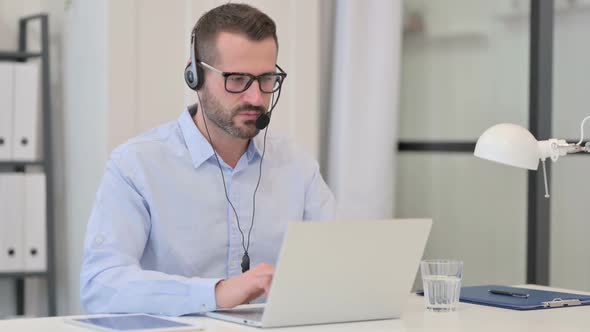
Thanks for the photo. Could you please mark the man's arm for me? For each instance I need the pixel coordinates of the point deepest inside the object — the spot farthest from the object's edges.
(111, 278)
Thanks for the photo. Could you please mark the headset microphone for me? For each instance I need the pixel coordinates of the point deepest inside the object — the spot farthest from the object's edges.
(264, 119)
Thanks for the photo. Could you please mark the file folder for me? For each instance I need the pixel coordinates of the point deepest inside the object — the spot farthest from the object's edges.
(524, 298)
(11, 221)
(35, 226)
(6, 109)
(26, 143)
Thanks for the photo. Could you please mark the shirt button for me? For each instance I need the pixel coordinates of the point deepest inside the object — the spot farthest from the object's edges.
(99, 239)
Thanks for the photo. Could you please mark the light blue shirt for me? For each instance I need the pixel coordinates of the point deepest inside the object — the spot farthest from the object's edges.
(162, 234)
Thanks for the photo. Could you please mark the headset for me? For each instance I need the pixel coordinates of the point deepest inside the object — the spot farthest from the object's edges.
(194, 78)
(193, 74)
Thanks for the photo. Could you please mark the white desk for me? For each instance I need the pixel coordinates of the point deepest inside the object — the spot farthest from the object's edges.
(468, 317)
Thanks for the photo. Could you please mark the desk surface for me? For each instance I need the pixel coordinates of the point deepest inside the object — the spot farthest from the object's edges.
(468, 317)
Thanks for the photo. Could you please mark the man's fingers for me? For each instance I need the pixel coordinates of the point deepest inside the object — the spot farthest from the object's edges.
(267, 273)
(264, 283)
(253, 297)
(245, 287)
(263, 269)
(267, 290)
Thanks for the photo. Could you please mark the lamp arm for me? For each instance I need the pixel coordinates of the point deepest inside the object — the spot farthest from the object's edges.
(552, 148)
(570, 148)
(545, 179)
(555, 148)
(582, 130)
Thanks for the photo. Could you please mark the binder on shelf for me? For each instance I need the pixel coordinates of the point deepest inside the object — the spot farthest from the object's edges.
(26, 132)
(35, 256)
(6, 110)
(11, 222)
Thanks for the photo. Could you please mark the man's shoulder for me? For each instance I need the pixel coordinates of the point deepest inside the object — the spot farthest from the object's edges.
(155, 143)
(279, 144)
(286, 149)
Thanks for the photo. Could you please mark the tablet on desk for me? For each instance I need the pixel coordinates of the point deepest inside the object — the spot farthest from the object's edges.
(133, 323)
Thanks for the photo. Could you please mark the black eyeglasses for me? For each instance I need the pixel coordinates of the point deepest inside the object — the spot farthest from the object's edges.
(240, 82)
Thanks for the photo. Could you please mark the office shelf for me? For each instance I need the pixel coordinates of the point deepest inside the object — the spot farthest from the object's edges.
(17, 163)
(18, 56)
(22, 54)
(4, 275)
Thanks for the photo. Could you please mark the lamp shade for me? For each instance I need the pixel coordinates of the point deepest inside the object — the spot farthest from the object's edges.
(509, 144)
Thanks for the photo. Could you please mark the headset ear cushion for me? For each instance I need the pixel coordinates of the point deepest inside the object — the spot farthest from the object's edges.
(190, 78)
(200, 76)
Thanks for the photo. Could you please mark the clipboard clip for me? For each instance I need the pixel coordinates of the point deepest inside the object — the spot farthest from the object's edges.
(558, 302)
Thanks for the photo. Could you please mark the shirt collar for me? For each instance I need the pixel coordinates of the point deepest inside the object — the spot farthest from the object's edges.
(254, 149)
(200, 149)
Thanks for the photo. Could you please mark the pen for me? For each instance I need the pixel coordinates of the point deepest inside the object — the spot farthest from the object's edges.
(508, 293)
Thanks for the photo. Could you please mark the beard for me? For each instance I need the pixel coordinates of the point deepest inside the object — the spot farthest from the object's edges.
(225, 119)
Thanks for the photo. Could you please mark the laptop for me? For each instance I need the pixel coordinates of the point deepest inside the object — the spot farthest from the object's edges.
(339, 271)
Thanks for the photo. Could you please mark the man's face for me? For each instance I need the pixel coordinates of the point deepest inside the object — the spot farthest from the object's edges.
(236, 113)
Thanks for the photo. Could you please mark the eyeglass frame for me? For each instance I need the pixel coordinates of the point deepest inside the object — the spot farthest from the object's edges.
(225, 75)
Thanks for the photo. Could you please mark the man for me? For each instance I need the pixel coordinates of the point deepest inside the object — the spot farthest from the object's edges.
(183, 209)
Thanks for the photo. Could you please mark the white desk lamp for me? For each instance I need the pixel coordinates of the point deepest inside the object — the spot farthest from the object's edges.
(514, 145)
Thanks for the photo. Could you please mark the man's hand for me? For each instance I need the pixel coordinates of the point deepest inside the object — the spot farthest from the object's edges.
(245, 287)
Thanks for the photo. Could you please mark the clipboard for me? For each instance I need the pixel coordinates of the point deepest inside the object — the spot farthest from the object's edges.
(535, 299)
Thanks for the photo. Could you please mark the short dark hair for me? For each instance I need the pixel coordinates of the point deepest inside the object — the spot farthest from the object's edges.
(235, 18)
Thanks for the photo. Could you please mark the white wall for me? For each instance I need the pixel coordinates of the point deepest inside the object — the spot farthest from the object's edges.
(86, 112)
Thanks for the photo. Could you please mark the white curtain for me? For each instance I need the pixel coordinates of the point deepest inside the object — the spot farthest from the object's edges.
(364, 107)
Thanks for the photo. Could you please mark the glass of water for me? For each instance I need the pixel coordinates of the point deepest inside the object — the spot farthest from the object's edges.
(441, 280)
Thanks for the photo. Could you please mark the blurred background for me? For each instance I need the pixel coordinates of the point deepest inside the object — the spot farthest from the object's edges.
(389, 96)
